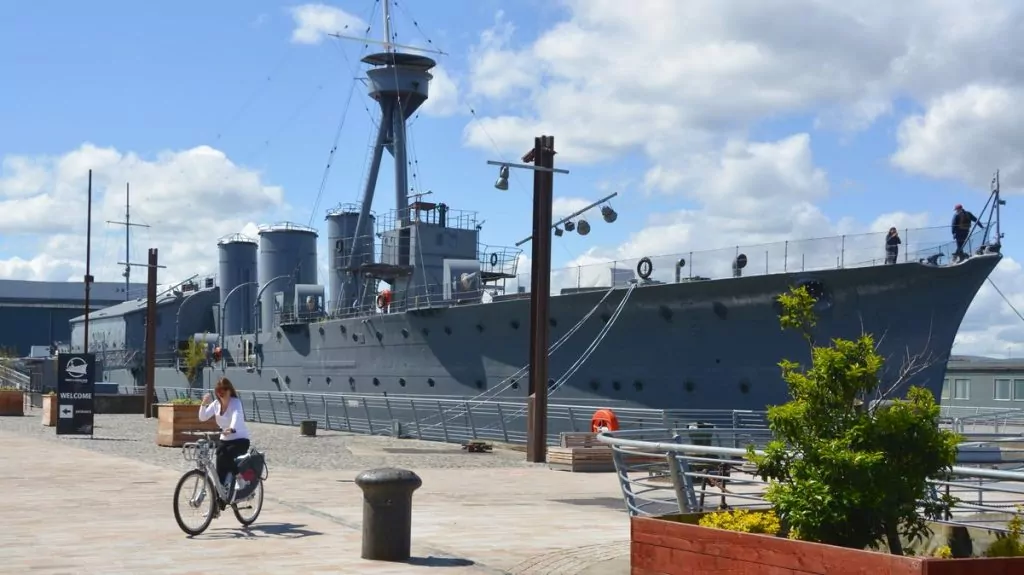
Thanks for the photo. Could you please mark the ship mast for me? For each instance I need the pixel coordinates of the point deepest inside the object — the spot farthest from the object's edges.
(398, 82)
(127, 223)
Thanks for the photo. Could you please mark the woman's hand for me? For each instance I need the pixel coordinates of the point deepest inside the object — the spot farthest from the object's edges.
(206, 399)
(229, 430)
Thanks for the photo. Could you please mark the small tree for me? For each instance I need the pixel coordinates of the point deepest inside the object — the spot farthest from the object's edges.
(841, 472)
(194, 355)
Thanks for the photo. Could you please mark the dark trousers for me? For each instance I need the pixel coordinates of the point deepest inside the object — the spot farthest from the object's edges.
(891, 254)
(227, 451)
(961, 239)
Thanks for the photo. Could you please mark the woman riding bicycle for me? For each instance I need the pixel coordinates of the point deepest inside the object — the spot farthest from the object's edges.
(234, 436)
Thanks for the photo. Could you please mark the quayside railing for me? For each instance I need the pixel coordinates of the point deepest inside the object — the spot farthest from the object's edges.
(454, 419)
(670, 471)
(458, 419)
(14, 378)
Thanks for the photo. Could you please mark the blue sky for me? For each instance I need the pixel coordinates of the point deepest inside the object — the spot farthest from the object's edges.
(147, 79)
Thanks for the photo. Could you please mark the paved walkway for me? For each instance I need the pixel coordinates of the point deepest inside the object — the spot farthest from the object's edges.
(65, 509)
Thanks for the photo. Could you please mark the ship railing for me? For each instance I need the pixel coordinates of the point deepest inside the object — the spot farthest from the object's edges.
(455, 219)
(670, 471)
(498, 262)
(921, 245)
(459, 419)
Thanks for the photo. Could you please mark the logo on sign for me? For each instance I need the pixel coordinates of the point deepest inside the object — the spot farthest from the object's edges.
(76, 367)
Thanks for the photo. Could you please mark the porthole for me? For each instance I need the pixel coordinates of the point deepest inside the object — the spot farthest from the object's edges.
(401, 382)
(376, 381)
(430, 382)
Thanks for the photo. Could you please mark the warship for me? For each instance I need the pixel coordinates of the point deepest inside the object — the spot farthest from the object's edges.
(415, 305)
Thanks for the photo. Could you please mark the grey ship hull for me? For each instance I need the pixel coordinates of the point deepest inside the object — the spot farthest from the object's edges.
(697, 345)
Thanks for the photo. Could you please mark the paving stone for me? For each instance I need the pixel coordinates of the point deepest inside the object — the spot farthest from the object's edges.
(84, 506)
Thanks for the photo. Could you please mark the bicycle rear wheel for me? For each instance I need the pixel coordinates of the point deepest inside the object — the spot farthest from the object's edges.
(252, 504)
(200, 497)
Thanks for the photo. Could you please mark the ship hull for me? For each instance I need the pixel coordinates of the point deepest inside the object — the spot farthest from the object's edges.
(698, 345)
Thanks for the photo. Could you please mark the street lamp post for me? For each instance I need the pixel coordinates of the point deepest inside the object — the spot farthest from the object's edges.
(256, 308)
(543, 161)
(224, 305)
(177, 318)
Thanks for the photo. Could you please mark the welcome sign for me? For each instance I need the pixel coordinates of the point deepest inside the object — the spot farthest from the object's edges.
(76, 385)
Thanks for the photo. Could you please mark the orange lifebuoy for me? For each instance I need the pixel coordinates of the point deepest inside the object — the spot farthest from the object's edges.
(604, 420)
(383, 299)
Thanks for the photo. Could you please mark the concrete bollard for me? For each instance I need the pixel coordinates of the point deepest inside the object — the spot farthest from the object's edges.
(387, 512)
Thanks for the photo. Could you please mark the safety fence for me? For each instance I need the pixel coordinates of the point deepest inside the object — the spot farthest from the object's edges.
(675, 470)
(459, 419)
(453, 419)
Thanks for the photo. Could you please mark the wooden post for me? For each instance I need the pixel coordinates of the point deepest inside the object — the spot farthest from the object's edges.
(150, 359)
(543, 155)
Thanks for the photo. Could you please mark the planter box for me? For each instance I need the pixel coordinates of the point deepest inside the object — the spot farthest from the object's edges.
(675, 544)
(174, 421)
(12, 402)
(50, 410)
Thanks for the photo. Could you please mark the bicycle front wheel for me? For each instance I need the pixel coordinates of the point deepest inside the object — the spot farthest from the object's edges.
(199, 501)
(247, 510)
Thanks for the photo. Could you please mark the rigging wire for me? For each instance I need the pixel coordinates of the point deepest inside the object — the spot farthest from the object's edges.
(512, 379)
(1006, 299)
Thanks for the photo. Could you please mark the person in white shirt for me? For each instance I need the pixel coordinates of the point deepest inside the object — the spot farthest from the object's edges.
(234, 436)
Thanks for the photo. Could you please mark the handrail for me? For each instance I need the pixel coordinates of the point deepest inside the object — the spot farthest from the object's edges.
(698, 474)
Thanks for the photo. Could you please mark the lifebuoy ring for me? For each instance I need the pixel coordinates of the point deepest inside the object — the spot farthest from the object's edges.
(604, 420)
(644, 268)
(384, 299)
(494, 259)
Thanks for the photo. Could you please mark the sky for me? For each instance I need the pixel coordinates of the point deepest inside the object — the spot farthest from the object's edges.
(719, 123)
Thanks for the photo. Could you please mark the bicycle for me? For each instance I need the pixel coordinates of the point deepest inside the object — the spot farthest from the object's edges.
(250, 496)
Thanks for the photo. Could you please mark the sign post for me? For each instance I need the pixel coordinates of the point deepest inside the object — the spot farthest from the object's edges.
(76, 384)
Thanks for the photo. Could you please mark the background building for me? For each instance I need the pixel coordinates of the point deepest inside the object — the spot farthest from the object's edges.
(983, 382)
(38, 313)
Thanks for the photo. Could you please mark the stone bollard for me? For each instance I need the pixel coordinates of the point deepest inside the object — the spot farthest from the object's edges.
(387, 512)
(307, 427)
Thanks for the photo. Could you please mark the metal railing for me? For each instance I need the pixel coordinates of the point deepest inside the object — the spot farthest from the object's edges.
(675, 470)
(14, 378)
(456, 419)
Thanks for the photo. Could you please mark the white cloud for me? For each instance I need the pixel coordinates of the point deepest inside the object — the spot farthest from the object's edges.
(189, 198)
(612, 78)
(313, 22)
(444, 94)
(966, 135)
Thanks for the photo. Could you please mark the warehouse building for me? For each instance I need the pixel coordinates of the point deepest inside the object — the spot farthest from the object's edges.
(36, 313)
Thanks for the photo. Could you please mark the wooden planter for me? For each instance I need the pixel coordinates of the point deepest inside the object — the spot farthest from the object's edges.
(50, 410)
(12, 402)
(175, 421)
(675, 544)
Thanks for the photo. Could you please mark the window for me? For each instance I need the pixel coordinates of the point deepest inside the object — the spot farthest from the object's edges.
(945, 389)
(961, 389)
(1002, 390)
(1018, 390)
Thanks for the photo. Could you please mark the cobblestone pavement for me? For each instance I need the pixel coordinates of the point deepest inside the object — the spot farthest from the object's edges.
(103, 506)
(133, 436)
